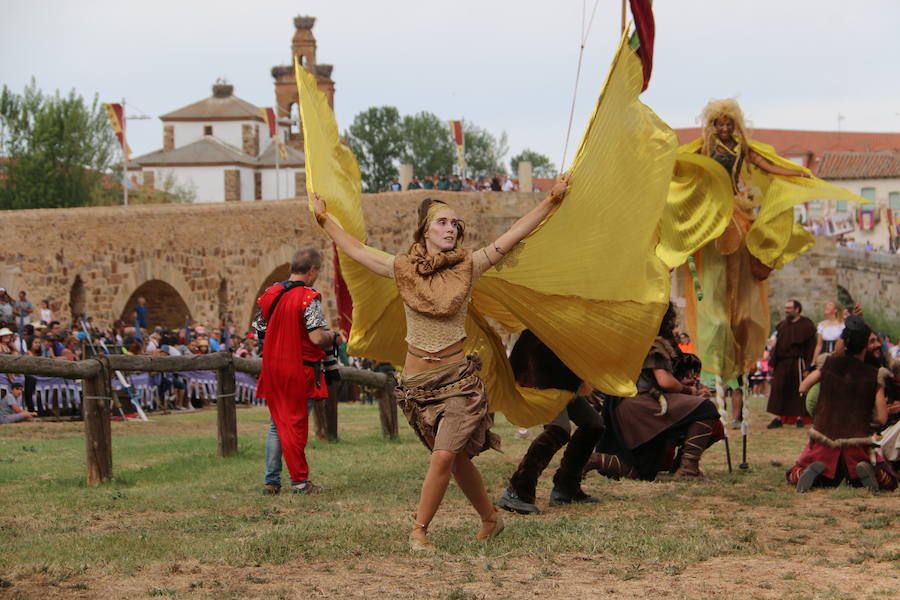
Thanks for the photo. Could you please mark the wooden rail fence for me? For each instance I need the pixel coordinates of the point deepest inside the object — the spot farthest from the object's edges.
(96, 375)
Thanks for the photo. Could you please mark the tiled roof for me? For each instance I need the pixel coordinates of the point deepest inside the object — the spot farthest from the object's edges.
(859, 165)
(230, 107)
(208, 150)
(812, 145)
(295, 158)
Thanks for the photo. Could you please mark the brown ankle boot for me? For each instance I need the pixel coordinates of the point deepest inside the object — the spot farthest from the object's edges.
(610, 466)
(697, 439)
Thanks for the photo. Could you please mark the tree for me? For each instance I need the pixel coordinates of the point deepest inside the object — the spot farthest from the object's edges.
(540, 164)
(427, 144)
(376, 140)
(58, 149)
(484, 152)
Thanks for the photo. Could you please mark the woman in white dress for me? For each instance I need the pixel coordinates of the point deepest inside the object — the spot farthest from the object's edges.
(829, 330)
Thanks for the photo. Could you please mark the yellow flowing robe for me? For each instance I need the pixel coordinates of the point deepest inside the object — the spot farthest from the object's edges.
(730, 325)
(587, 281)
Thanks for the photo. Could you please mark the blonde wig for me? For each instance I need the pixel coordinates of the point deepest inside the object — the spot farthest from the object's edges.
(716, 109)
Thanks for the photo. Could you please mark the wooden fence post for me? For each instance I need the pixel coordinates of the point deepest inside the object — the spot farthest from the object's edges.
(387, 409)
(331, 411)
(225, 409)
(95, 401)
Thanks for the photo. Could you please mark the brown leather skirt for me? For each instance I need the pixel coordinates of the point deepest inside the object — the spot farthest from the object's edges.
(447, 408)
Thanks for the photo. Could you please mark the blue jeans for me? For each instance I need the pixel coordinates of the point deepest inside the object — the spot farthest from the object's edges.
(273, 453)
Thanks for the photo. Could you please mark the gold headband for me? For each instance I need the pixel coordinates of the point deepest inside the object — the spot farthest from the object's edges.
(433, 210)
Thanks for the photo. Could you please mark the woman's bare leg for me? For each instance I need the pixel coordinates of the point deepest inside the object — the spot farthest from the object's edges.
(468, 478)
(433, 488)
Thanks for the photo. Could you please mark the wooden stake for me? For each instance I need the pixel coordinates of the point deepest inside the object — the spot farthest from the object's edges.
(225, 409)
(97, 430)
(387, 410)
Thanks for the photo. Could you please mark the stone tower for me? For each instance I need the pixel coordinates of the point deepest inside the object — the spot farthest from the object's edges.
(303, 46)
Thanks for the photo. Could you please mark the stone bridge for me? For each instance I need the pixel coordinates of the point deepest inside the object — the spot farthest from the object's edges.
(200, 261)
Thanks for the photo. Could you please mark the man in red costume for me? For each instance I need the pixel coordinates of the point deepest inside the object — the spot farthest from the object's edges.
(296, 337)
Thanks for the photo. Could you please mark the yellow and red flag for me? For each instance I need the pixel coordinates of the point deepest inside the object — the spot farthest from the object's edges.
(117, 120)
(460, 141)
(269, 117)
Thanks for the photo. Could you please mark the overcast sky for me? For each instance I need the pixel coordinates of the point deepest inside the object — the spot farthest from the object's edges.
(505, 65)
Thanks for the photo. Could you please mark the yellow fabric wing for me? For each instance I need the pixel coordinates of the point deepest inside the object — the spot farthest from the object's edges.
(587, 281)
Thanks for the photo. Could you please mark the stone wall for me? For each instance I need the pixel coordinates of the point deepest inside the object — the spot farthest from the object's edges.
(168, 138)
(216, 257)
(811, 278)
(872, 278)
(250, 139)
(232, 185)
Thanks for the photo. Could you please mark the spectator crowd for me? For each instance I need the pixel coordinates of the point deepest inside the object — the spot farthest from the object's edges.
(455, 183)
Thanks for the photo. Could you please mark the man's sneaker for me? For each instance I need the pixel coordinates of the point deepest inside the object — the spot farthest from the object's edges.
(306, 487)
(271, 489)
(775, 424)
(510, 501)
(559, 497)
(866, 473)
(809, 475)
(736, 424)
(799, 424)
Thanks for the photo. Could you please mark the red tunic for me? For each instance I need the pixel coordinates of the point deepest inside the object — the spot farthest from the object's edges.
(287, 345)
(285, 382)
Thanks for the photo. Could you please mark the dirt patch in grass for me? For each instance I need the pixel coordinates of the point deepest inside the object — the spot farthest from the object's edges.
(567, 576)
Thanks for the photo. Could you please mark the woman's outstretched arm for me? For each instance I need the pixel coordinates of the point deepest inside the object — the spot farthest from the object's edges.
(761, 162)
(352, 247)
(525, 225)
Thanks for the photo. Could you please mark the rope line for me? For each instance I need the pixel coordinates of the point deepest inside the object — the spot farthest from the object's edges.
(585, 32)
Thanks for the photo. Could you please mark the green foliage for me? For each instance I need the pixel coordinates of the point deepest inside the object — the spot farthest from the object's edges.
(376, 139)
(485, 153)
(58, 148)
(540, 164)
(427, 144)
(381, 140)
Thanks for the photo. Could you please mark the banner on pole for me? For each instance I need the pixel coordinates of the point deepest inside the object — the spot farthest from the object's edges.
(460, 141)
(269, 117)
(117, 120)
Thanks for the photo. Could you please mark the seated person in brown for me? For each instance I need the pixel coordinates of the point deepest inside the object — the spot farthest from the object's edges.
(670, 410)
(850, 398)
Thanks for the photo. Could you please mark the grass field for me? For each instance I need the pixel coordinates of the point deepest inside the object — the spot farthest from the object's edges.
(180, 522)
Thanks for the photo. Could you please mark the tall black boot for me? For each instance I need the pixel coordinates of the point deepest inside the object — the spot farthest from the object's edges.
(567, 480)
(520, 495)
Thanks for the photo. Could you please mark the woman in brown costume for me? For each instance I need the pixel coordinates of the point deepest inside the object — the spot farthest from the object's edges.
(441, 393)
(669, 409)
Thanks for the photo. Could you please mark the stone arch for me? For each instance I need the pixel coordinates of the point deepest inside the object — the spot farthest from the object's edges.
(77, 299)
(166, 307)
(279, 273)
(151, 270)
(271, 266)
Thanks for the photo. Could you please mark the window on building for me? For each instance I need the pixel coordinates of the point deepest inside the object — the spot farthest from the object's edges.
(207, 130)
(869, 194)
(894, 200)
(840, 206)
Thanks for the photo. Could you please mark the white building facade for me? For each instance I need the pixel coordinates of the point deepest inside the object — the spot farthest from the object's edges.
(220, 150)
